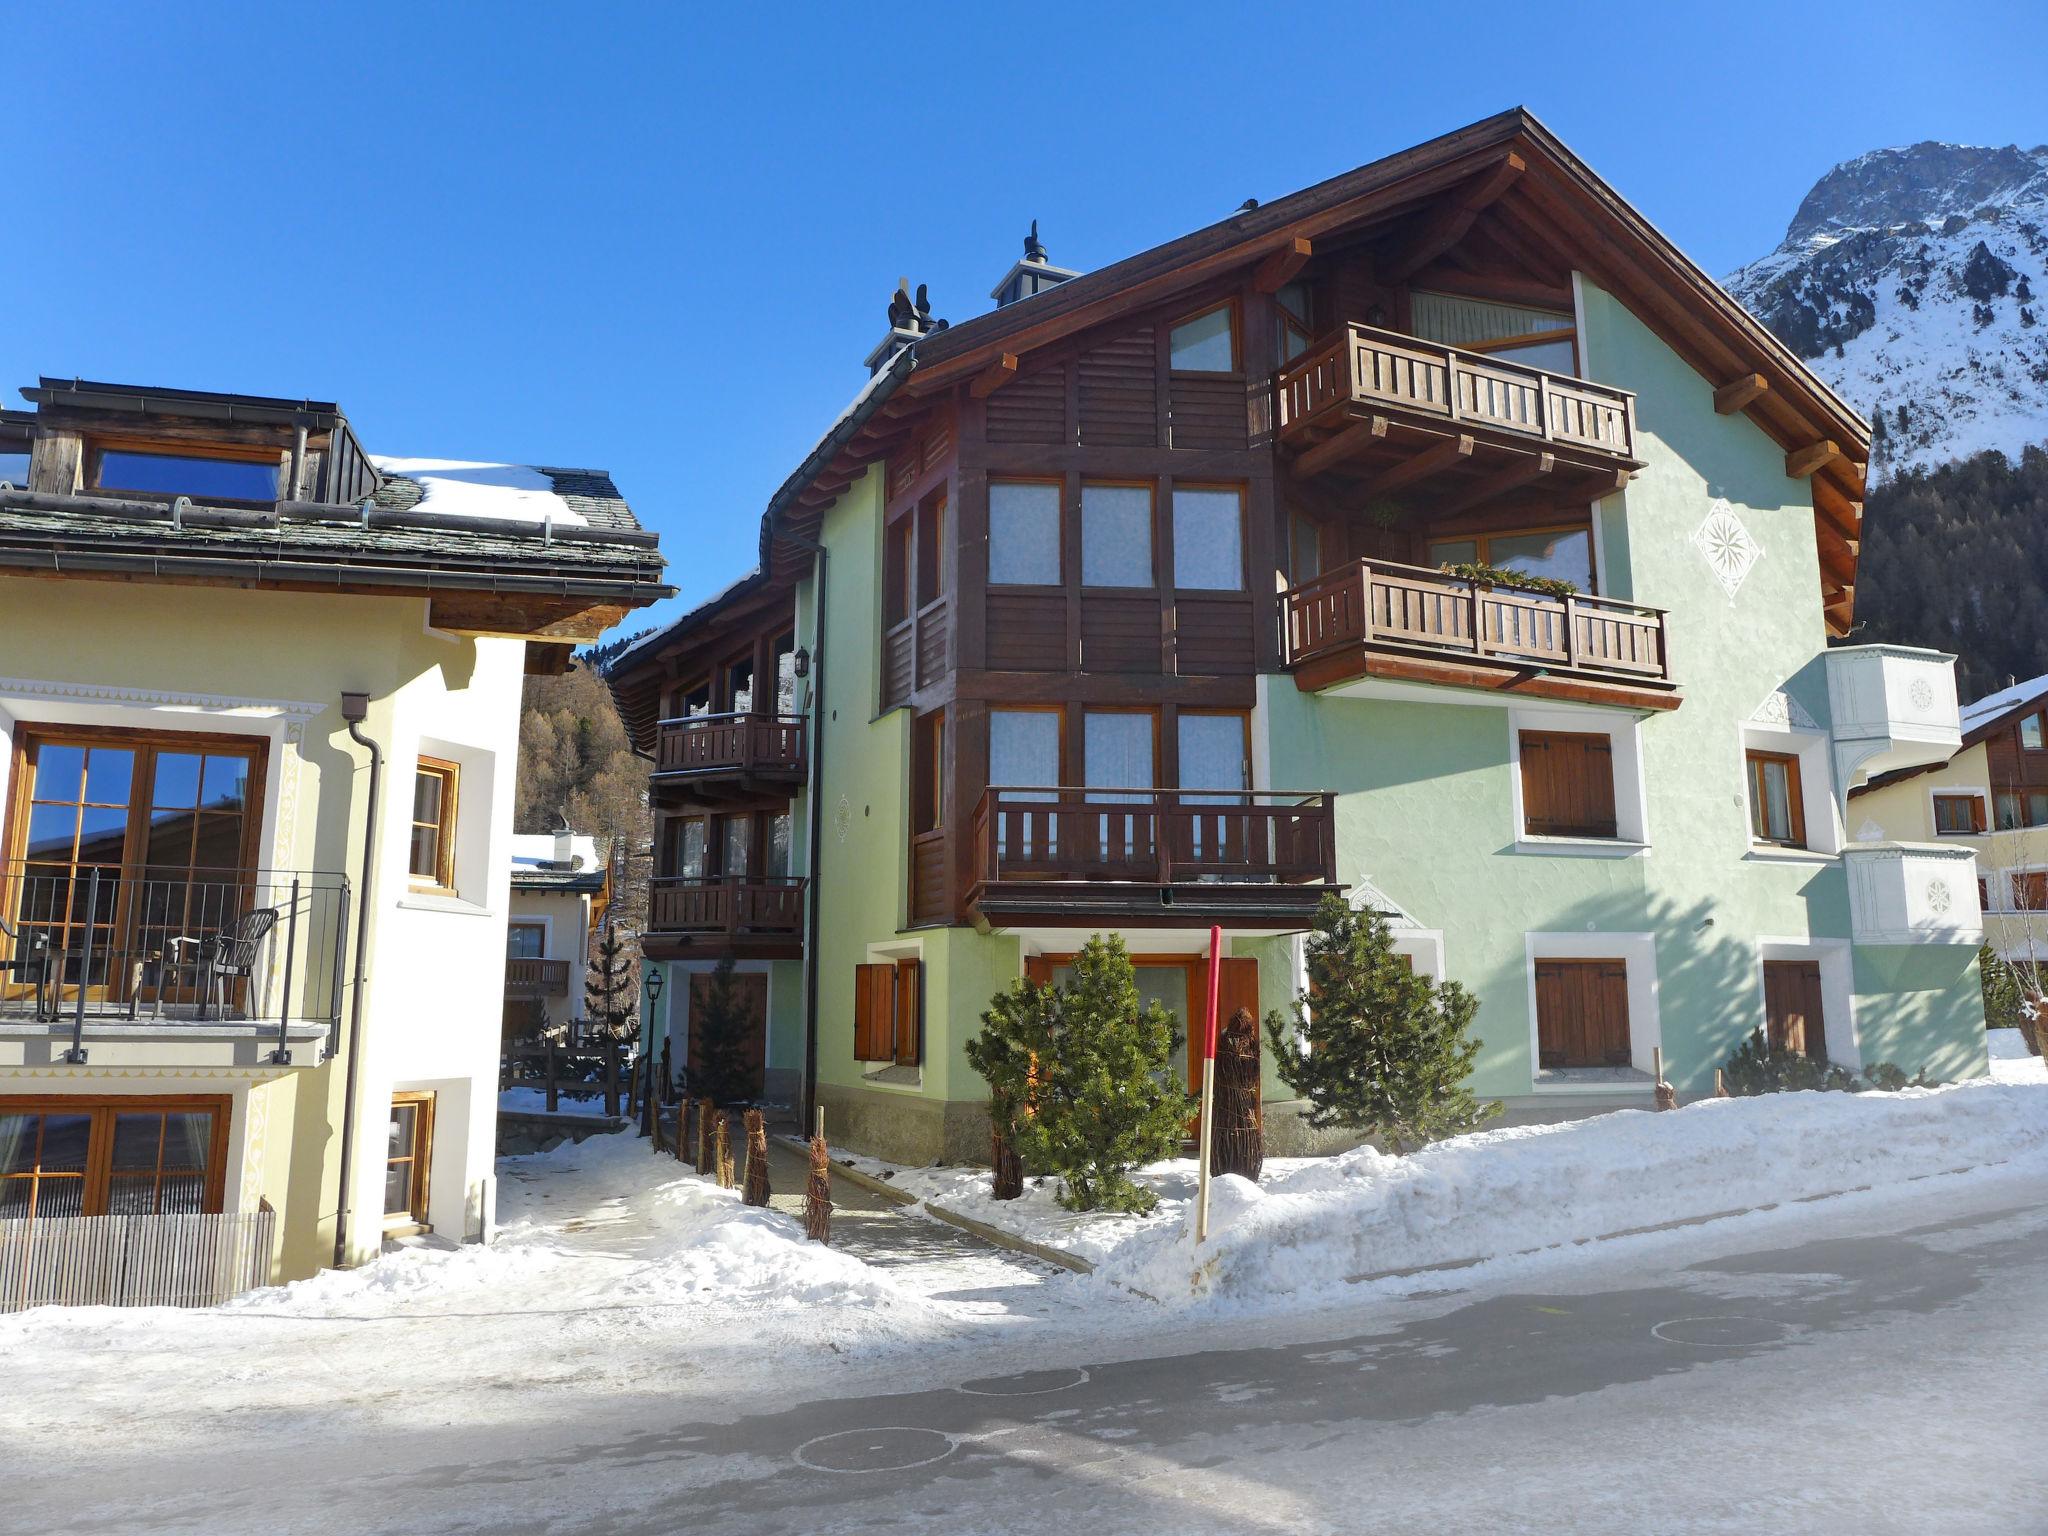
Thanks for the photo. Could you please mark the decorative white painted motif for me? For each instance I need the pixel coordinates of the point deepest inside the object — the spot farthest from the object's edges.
(1727, 547)
(153, 698)
(1939, 898)
(257, 1108)
(1780, 709)
(842, 818)
(1921, 693)
(1870, 832)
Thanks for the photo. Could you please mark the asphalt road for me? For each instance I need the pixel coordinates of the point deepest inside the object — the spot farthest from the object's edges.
(1869, 1365)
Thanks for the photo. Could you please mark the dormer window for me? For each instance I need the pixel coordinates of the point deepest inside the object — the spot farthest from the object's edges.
(204, 474)
(1205, 343)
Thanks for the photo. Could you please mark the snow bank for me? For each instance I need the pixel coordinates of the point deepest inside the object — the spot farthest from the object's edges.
(534, 1101)
(1508, 1191)
(2011, 1061)
(467, 489)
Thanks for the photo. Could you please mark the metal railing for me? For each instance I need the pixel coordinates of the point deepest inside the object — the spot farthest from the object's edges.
(1155, 837)
(1362, 365)
(1379, 604)
(136, 943)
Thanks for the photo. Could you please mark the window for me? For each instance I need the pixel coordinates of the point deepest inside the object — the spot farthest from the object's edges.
(684, 845)
(526, 941)
(1208, 539)
(739, 686)
(931, 544)
(1567, 784)
(781, 829)
(407, 1153)
(2030, 891)
(1023, 533)
(1793, 1012)
(1117, 749)
(1582, 1013)
(785, 675)
(1775, 812)
(1958, 814)
(432, 861)
(888, 1005)
(78, 1156)
(897, 553)
(927, 774)
(695, 703)
(737, 841)
(1116, 536)
(202, 476)
(1205, 344)
(1215, 751)
(14, 468)
(1304, 548)
(2008, 810)
(2031, 736)
(1535, 338)
(1556, 554)
(1293, 326)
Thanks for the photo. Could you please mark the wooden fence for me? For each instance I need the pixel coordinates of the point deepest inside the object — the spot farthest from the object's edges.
(134, 1261)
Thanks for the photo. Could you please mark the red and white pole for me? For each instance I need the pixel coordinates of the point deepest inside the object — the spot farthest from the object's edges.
(1208, 1084)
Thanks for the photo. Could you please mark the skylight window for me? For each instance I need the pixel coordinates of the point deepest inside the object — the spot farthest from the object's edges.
(201, 476)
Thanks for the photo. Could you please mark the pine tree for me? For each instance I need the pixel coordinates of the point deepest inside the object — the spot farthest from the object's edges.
(610, 990)
(1016, 1032)
(718, 1071)
(1376, 1048)
(1085, 1078)
(2002, 995)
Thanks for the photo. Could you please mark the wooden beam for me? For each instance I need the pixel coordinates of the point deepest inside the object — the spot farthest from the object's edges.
(1446, 225)
(1420, 466)
(1278, 269)
(994, 376)
(1354, 439)
(1526, 469)
(1801, 462)
(1736, 393)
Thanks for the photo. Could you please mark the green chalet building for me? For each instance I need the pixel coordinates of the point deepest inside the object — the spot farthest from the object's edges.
(1438, 535)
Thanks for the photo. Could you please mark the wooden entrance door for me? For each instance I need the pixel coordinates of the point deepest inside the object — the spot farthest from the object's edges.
(750, 991)
(1582, 1013)
(1793, 1007)
(1237, 988)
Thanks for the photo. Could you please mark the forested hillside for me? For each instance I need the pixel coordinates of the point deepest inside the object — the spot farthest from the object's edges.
(574, 761)
(1954, 557)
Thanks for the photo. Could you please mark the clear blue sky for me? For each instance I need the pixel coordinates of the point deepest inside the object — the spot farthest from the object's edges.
(660, 240)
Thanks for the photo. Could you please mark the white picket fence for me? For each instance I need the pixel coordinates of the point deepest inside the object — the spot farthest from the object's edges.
(134, 1261)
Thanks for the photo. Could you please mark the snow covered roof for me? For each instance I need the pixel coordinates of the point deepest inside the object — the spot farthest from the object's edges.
(516, 493)
(535, 867)
(1992, 705)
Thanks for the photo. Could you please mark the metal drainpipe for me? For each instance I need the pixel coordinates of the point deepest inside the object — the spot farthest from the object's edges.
(298, 470)
(815, 837)
(355, 707)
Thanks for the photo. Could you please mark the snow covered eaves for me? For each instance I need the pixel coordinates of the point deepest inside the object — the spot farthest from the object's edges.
(1993, 706)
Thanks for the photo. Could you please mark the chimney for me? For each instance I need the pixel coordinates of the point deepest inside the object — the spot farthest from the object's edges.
(565, 843)
(909, 319)
(1033, 274)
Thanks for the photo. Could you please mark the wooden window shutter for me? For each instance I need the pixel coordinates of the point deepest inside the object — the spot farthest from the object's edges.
(1567, 784)
(1038, 970)
(874, 1012)
(1613, 1013)
(909, 1021)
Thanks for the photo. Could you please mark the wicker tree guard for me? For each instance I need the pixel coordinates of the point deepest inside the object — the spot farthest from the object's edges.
(1239, 1143)
(721, 1147)
(756, 1188)
(706, 1159)
(1005, 1164)
(818, 1194)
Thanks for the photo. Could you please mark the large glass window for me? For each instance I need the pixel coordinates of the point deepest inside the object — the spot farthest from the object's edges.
(1556, 554)
(781, 830)
(1205, 344)
(1958, 815)
(526, 941)
(1213, 752)
(179, 474)
(136, 1156)
(1023, 748)
(1305, 548)
(1117, 749)
(1208, 539)
(739, 840)
(1116, 536)
(2031, 733)
(1517, 333)
(1023, 533)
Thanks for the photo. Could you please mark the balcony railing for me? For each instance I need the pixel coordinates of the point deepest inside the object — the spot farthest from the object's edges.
(738, 744)
(761, 906)
(1378, 605)
(142, 944)
(1385, 370)
(527, 977)
(1154, 837)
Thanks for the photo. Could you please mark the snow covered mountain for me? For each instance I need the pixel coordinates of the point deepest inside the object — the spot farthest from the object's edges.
(1909, 279)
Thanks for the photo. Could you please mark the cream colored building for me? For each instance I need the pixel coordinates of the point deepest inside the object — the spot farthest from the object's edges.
(559, 889)
(240, 1010)
(1990, 796)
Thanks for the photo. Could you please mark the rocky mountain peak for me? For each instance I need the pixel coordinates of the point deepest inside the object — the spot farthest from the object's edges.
(1927, 184)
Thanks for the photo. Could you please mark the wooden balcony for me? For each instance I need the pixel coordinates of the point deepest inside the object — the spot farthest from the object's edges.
(754, 916)
(1392, 411)
(1071, 858)
(728, 758)
(526, 977)
(1374, 618)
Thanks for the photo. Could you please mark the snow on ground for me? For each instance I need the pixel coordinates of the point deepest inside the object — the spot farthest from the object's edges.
(2011, 1061)
(534, 1101)
(1311, 1225)
(468, 489)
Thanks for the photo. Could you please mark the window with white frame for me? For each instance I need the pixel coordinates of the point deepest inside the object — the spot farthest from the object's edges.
(1577, 780)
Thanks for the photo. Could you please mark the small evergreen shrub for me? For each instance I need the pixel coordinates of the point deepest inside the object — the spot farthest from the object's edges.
(1086, 1080)
(2003, 996)
(1374, 1047)
(1755, 1069)
(1017, 1030)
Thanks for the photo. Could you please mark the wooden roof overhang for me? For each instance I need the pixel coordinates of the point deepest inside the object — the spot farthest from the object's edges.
(1506, 185)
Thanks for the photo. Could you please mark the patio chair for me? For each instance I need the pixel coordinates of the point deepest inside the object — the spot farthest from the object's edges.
(222, 958)
(31, 959)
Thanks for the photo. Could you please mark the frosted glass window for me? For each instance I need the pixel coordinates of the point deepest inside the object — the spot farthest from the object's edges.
(1205, 344)
(1117, 750)
(1023, 748)
(1023, 533)
(1461, 322)
(1212, 752)
(1550, 356)
(1116, 536)
(1208, 540)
